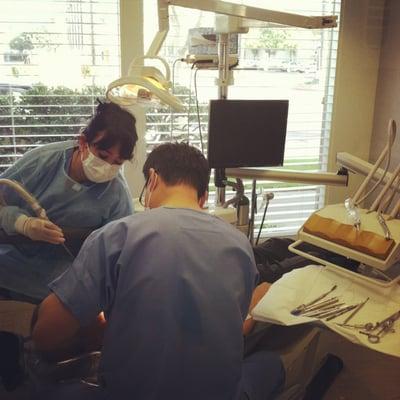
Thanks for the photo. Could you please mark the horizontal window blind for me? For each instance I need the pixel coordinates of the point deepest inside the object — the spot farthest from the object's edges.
(275, 62)
(56, 58)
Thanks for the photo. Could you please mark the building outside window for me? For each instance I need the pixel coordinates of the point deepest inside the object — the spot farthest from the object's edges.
(56, 57)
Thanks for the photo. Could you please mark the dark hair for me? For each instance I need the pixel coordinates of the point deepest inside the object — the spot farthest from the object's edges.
(118, 126)
(178, 163)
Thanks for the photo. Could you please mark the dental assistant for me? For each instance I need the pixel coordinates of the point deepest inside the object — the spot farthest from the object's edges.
(79, 185)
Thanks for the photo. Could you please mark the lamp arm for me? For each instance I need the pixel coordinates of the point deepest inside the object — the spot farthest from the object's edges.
(157, 43)
(234, 10)
(163, 28)
(164, 63)
(247, 12)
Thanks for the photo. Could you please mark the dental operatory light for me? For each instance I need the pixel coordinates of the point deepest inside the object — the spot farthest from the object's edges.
(144, 85)
(147, 84)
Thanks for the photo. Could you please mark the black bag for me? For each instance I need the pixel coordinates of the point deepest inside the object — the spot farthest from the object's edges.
(11, 369)
(273, 258)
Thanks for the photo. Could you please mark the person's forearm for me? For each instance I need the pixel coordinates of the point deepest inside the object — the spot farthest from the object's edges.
(8, 217)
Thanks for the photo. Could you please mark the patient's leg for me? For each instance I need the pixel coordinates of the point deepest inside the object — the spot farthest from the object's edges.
(86, 340)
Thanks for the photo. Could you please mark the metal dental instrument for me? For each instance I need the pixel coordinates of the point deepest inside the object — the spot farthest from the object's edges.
(299, 309)
(378, 202)
(385, 228)
(323, 310)
(335, 312)
(369, 326)
(376, 337)
(327, 313)
(392, 318)
(395, 210)
(391, 133)
(353, 213)
(322, 304)
(68, 251)
(388, 200)
(341, 312)
(385, 326)
(359, 307)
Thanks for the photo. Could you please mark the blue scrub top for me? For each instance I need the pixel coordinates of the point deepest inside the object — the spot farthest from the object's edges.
(175, 285)
(27, 269)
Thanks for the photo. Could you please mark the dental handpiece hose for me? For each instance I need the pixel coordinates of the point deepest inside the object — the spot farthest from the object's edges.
(33, 203)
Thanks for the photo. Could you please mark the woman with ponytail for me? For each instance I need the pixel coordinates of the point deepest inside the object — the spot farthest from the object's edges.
(78, 183)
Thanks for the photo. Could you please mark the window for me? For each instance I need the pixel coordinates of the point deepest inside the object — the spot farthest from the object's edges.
(56, 57)
(275, 62)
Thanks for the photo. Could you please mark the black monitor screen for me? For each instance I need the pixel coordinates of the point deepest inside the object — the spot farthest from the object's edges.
(247, 133)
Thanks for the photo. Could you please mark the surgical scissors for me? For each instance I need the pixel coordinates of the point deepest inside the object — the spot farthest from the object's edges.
(386, 326)
(376, 337)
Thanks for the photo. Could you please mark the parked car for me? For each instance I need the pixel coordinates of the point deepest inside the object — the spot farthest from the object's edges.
(278, 66)
(294, 66)
(14, 88)
(286, 66)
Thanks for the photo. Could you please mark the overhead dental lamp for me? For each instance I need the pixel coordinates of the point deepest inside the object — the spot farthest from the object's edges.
(148, 85)
(145, 85)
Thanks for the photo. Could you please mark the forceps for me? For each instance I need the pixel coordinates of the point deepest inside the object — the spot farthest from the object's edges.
(386, 326)
(376, 337)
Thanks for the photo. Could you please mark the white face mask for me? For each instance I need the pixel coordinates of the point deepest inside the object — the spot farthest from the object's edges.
(98, 170)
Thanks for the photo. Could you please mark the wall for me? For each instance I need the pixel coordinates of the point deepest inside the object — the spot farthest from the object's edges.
(355, 86)
(387, 104)
(131, 32)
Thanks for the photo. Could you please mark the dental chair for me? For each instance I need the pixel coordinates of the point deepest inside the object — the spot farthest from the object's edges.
(304, 351)
(21, 365)
(18, 361)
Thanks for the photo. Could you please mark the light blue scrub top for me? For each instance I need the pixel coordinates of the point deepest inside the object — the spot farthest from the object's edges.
(27, 269)
(175, 285)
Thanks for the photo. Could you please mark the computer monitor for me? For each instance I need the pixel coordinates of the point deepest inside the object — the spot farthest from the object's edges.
(247, 133)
